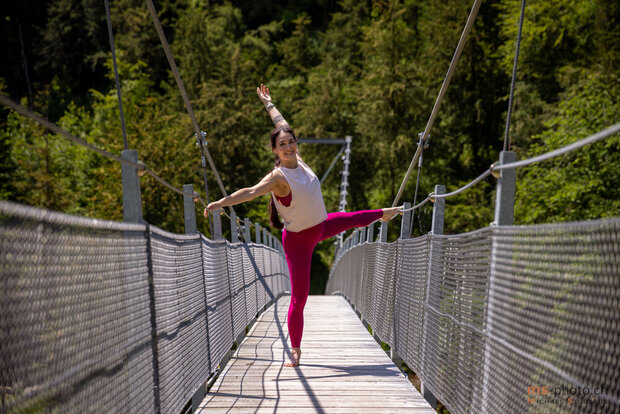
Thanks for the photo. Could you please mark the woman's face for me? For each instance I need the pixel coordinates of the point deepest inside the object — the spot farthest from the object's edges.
(286, 147)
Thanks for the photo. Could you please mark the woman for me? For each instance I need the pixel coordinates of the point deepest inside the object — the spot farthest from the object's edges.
(296, 196)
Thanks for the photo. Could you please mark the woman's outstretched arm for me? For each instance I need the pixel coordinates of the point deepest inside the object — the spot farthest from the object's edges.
(263, 94)
(267, 184)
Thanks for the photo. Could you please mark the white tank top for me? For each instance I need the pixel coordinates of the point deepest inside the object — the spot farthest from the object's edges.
(307, 208)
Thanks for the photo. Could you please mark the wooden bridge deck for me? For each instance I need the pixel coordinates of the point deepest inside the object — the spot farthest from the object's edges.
(343, 369)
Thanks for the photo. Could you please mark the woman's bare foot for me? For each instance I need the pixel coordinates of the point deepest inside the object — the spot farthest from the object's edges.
(296, 355)
(389, 213)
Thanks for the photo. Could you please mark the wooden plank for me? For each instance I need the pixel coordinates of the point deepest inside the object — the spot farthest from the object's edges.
(313, 410)
(343, 369)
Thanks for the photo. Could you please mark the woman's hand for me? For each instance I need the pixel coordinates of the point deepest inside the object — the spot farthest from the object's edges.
(216, 205)
(263, 94)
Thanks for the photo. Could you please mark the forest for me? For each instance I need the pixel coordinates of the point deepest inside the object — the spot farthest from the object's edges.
(366, 69)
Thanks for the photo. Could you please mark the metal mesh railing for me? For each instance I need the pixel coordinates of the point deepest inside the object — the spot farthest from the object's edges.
(116, 317)
(453, 343)
(503, 319)
(554, 316)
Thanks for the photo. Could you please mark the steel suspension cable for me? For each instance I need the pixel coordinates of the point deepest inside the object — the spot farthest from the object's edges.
(606, 133)
(332, 164)
(417, 182)
(444, 87)
(612, 130)
(80, 141)
(118, 84)
(512, 83)
(203, 148)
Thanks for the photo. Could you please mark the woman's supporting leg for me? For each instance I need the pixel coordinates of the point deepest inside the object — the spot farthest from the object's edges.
(336, 223)
(298, 248)
(299, 269)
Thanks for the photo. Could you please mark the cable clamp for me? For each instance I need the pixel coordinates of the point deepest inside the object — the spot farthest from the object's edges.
(204, 162)
(493, 172)
(141, 168)
(431, 197)
(426, 143)
(204, 138)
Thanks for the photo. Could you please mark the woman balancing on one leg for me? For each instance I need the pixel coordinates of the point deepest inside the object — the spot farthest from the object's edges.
(296, 196)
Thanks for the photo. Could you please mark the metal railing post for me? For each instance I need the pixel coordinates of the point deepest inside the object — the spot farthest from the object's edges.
(265, 237)
(383, 232)
(234, 233)
(505, 200)
(257, 229)
(439, 211)
(370, 234)
(504, 216)
(217, 225)
(189, 210)
(436, 229)
(405, 226)
(405, 233)
(247, 234)
(132, 199)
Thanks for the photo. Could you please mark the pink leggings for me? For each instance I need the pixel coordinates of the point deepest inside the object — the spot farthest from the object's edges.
(298, 247)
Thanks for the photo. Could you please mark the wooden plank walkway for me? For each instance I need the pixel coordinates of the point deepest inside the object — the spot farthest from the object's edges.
(343, 369)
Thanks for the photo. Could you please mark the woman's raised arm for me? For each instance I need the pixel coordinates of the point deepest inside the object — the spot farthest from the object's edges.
(263, 94)
(245, 194)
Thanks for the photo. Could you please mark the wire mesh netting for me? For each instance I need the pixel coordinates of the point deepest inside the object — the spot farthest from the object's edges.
(554, 318)
(115, 317)
(409, 299)
(503, 319)
(454, 316)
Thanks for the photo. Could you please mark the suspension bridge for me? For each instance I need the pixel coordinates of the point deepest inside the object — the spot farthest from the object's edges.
(102, 316)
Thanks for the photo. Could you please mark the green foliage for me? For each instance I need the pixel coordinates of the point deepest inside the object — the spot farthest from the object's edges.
(582, 184)
(555, 33)
(49, 171)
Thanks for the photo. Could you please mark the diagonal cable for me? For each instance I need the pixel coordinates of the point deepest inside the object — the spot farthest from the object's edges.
(442, 92)
(332, 164)
(188, 105)
(118, 84)
(514, 77)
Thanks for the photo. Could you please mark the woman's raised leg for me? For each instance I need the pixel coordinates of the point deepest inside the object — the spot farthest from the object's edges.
(338, 222)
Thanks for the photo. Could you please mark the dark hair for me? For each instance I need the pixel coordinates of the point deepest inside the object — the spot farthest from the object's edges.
(274, 220)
